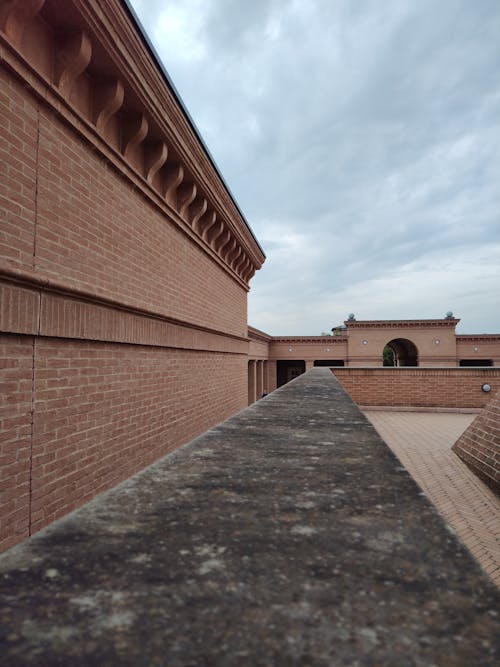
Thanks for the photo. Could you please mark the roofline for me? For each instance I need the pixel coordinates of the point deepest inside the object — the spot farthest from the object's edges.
(445, 321)
(190, 120)
(326, 339)
(257, 333)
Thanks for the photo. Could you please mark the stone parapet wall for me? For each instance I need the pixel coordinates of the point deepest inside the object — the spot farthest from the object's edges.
(419, 387)
(288, 535)
(479, 445)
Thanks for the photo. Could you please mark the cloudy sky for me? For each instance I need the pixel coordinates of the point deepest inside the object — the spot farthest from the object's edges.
(361, 140)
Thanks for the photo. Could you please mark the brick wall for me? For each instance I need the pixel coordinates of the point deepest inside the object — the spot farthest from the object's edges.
(122, 308)
(16, 368)
(419, 387)
(96, 234)
(78, 417)
(479, 445)
(18, 157)
(93, 232)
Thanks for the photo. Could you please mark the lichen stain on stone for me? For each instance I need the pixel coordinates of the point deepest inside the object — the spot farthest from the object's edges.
(307, 531)
(117, 620)
(305, 504)
(47, 632)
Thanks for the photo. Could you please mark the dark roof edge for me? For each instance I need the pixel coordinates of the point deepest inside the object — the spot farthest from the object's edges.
(177, 96)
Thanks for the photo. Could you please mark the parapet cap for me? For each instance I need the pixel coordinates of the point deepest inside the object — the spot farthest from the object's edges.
(257, 334)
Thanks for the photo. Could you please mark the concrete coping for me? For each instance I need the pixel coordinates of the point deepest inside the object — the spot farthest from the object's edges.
(287, 535)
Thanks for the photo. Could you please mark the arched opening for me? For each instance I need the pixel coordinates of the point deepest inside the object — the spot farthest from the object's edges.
(401, 352)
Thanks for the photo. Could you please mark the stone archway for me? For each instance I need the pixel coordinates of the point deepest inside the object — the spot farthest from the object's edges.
(404, 352)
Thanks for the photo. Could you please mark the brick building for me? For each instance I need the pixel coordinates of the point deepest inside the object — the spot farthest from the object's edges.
(124, 270)
(276, 360)
(124, 263)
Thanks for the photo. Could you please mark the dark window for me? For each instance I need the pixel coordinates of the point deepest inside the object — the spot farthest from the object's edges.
(288, 370)
(329, 362)
(476, 362)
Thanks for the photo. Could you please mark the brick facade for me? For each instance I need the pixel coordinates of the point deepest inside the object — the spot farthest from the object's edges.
(361, 343)
(479, 445)
(124, 263)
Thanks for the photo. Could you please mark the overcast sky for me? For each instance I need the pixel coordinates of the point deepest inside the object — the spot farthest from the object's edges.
(361, 140)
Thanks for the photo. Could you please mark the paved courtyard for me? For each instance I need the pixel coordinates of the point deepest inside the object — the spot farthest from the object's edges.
(422, 442)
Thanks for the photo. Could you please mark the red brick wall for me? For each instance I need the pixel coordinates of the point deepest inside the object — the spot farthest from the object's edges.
(101, 411)
(95, 233)
(18, 160)
(479, 445)
(122, 328)
(104, 411)
(16, 373)
(419, 387)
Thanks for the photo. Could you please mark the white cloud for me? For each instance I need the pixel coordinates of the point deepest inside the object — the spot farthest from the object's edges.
(361, 140)
(179, 31)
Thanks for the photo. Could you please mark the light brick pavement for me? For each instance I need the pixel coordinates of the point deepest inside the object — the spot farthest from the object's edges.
(422, 442)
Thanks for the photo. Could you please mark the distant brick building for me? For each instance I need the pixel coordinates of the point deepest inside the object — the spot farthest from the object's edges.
(361, 344)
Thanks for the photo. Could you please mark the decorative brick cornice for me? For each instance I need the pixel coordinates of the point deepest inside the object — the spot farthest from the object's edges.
(94, 68)
(401, 324)
(482, 338)
(327, 340)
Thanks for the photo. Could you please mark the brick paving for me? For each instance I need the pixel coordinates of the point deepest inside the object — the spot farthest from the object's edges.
(422, 442)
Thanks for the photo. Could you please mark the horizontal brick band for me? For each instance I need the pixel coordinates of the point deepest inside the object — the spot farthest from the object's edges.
(31, 311)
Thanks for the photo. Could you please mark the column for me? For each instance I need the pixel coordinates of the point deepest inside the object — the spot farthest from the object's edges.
(272, 376)
(259, 379)
(251, 382)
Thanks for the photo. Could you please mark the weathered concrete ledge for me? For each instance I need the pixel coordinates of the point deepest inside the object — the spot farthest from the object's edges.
(288, 535)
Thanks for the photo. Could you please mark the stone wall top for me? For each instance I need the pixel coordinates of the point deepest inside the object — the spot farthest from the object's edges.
(289, 534)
